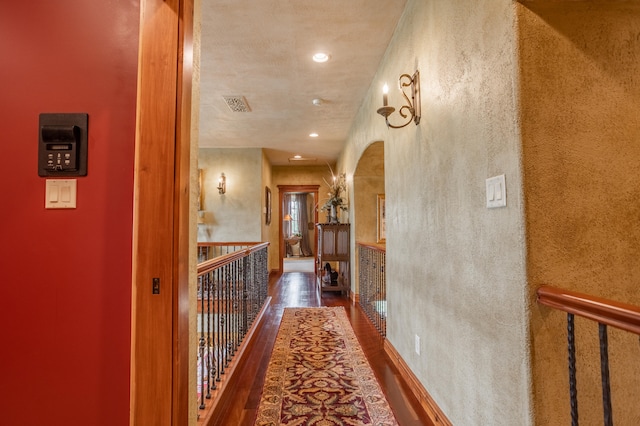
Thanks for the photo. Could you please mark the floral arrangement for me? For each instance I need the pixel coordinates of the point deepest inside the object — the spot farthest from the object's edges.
(336, 188)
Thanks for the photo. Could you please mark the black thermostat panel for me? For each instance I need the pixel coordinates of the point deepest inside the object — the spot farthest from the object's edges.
(62, 147)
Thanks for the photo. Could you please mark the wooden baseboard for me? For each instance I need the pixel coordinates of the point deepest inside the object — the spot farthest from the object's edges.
(428, 404)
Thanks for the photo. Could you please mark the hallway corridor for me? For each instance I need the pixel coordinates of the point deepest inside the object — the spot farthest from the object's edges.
(298, 289)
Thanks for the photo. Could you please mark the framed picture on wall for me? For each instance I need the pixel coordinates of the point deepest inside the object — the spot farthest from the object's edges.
(382, 229)
(267, 205)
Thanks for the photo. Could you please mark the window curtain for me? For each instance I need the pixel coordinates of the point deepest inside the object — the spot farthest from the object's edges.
(303, 225)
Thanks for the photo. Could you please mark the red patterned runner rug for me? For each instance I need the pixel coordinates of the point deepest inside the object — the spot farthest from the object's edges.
(318, 374)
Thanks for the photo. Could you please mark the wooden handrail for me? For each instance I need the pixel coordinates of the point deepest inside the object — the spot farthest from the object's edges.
(373, 246)
(616, 314)
(227, 243)
(226, 259)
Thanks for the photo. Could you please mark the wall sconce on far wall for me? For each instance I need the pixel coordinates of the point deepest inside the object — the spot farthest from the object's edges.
(412, 109)
(222, 184)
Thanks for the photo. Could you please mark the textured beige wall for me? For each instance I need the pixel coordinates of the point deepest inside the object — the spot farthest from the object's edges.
(236, 215)
(365, 207)
(455, 269)
(581, 147)
(368, 182)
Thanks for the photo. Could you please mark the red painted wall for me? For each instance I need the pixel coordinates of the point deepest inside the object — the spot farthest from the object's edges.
(65, 276)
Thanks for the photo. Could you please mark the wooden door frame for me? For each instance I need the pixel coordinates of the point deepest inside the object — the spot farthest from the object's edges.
(160, 359)
(282, 189)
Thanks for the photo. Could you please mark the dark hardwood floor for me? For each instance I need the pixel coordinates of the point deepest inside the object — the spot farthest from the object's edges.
(298, 289)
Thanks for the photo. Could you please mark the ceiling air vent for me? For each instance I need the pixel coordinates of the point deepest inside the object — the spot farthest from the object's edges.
(237, 103)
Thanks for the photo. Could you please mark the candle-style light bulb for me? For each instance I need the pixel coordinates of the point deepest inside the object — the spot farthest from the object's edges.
(385, 90)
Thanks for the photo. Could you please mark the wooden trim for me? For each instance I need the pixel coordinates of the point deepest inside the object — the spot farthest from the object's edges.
(159, 322)
(181, 359)
(152, 314)
(298, 188)
(429, 406)
(218, 401)
(227, 243)
(620, 315)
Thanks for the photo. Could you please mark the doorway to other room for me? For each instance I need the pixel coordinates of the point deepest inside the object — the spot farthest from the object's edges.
(298, 217)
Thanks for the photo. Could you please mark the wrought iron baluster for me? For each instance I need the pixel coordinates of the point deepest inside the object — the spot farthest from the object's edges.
(236, 282)
(573, 389)
(376, 289)
(604, 368)
(231, 313)
(253, 290)
(361, 274)
(380, 298)
(220, 323)
(236, 306)
(378, 284)
(246, 279)
(380, 291)
(241, 300)
(368, 282)
(227, 313)
(202, 340)
(211, 368)
(264, 279)
(383, 295)
(205, 325)
(235, 294)
(372, 284)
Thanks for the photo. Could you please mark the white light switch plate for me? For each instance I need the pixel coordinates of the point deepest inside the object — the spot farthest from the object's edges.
(496, 192)
(60, 194)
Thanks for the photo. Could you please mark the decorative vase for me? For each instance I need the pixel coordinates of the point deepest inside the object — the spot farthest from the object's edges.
(333, 215)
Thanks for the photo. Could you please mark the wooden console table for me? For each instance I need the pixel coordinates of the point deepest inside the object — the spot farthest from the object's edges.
(334, 248)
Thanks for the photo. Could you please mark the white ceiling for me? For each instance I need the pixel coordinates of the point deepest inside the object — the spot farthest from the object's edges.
(261, 50)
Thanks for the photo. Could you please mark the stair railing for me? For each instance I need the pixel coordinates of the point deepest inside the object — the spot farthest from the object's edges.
(232, 289)
(372, 284)
(211, 250)
(605, 313)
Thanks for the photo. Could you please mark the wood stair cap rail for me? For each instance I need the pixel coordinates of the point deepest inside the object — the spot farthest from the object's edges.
(616, 314)
(226, 259)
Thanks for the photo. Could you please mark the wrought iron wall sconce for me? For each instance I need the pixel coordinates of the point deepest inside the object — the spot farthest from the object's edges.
(222, 184)
(411, 111)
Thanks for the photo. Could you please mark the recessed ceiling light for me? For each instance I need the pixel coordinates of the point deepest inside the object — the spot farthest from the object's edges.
(313, 135)
(299, 159)
(321, 57)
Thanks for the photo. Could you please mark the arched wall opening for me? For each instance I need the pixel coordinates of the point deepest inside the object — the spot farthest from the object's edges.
(368, 185)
